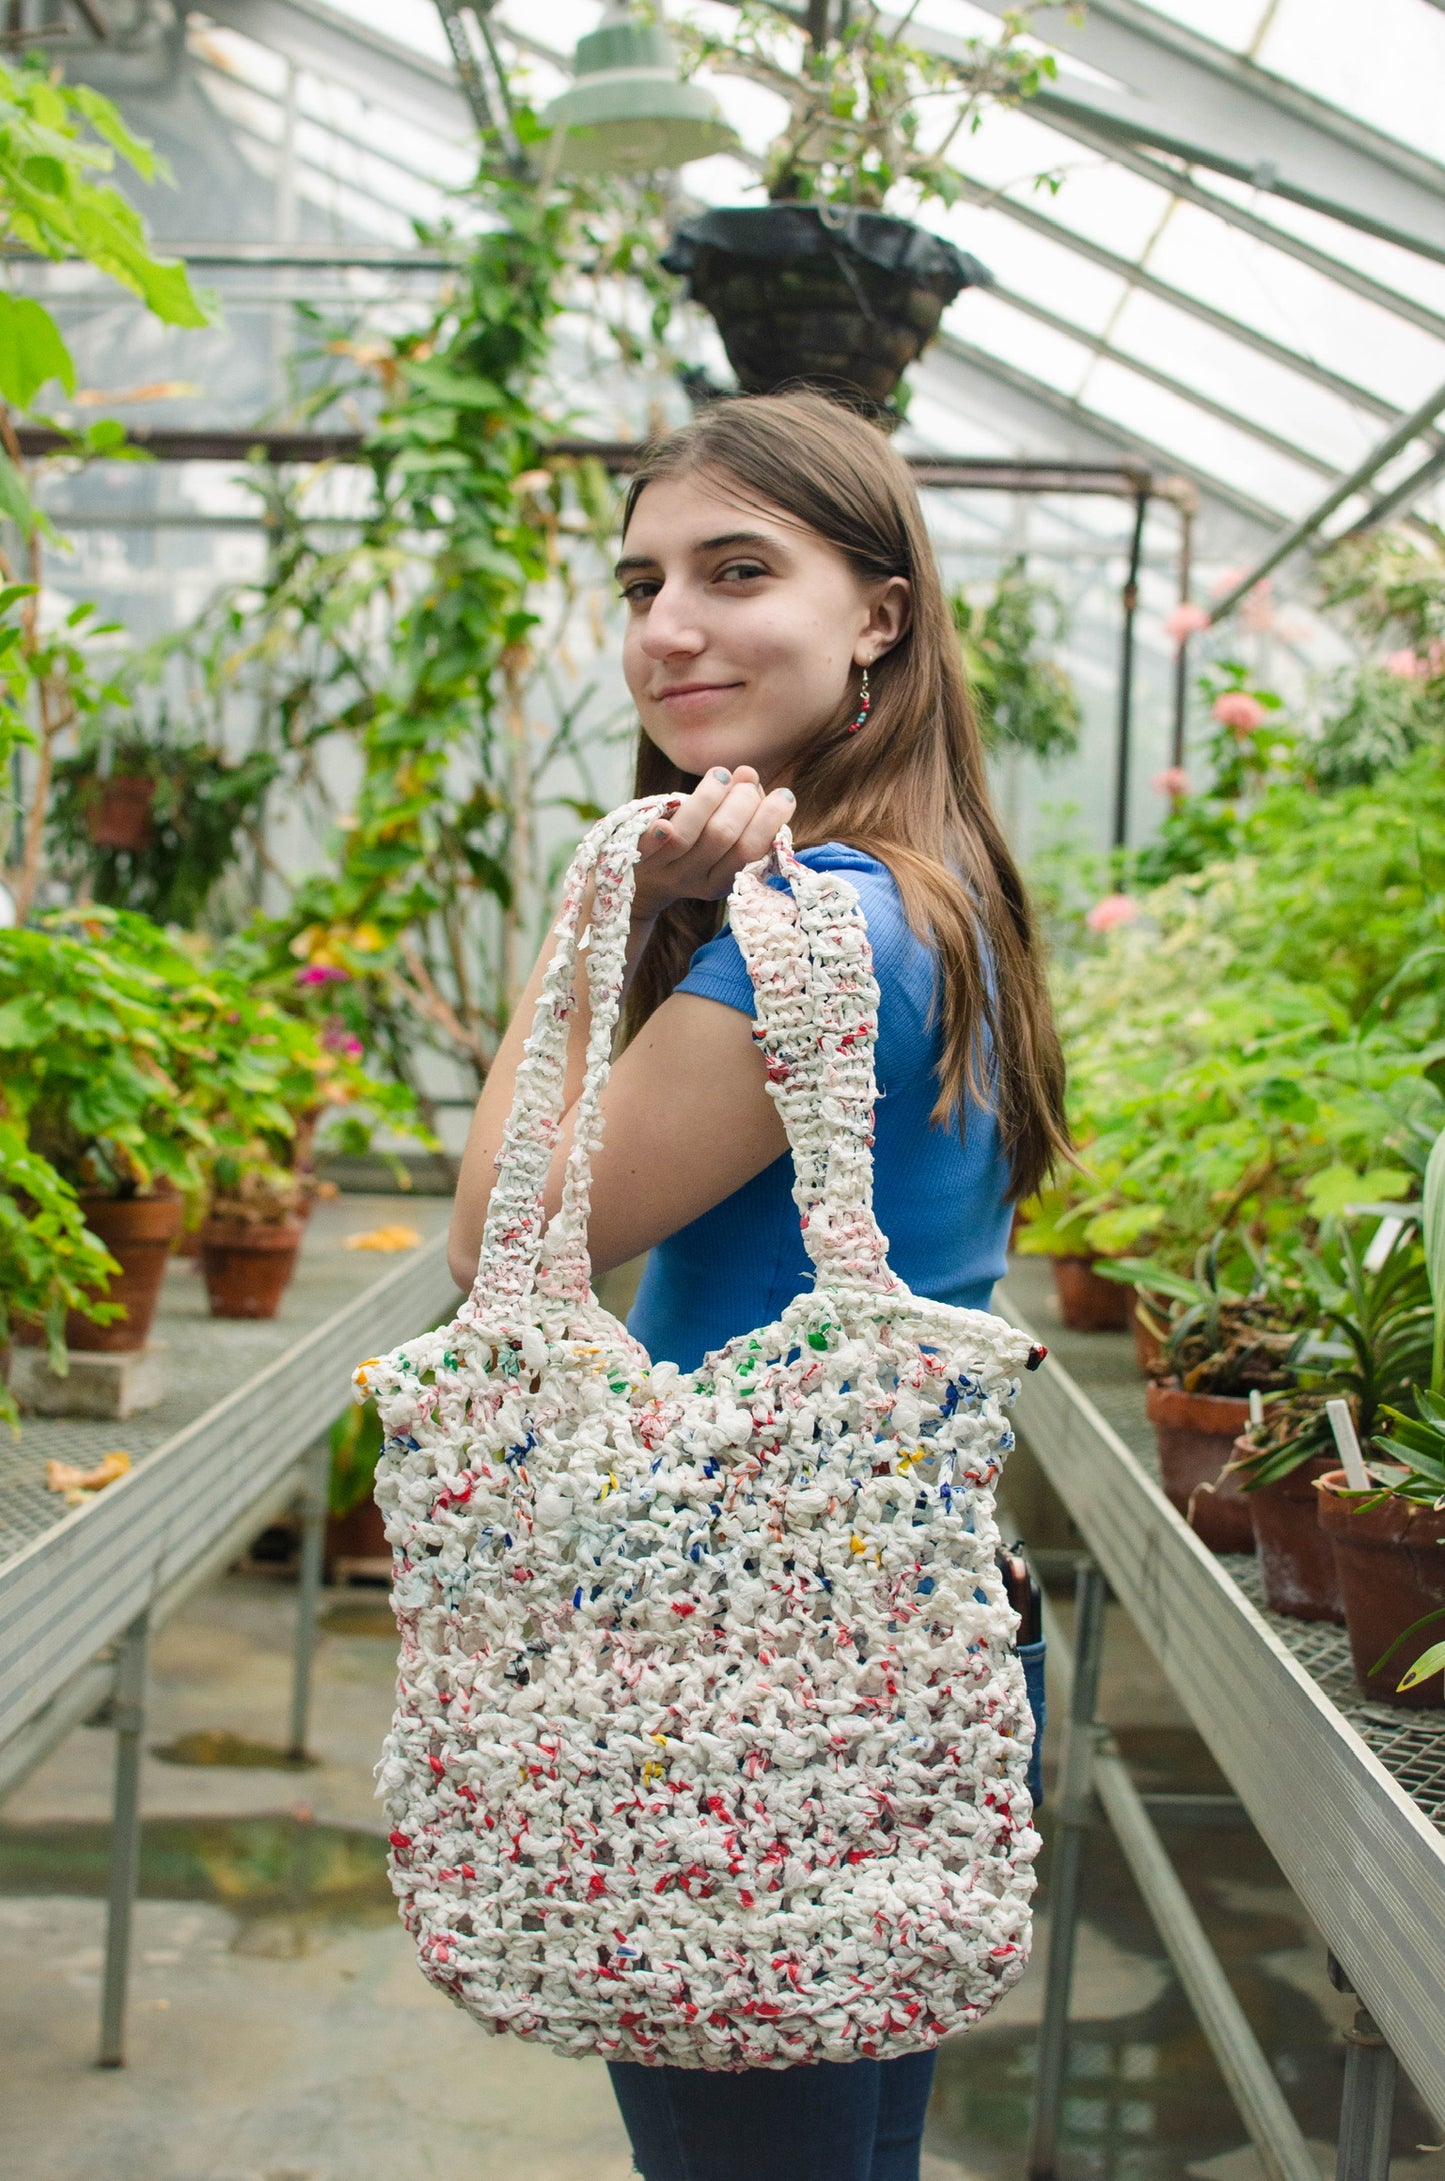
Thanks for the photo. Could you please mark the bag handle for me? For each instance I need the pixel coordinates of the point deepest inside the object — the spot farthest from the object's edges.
(512, 1240)
(808, 956)
(807, 952)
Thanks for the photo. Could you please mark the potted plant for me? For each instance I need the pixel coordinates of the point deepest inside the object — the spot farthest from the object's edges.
(251, 1235)
(1389, 1540)
(820, 284)
(1372, 1342)
(356, 1526)
(1054, 1224)
(152, 821)
(50, 1262)
(1224, 1342)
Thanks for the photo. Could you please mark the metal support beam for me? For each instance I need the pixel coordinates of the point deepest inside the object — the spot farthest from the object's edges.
(1409, 488)
(1298, 533)
(129, 1721)
(1181, 655)
(1187, 95)
(1123, 750)
(1367, 2107)
(1071, 1823)
(315, 1492)
(1106, 353)
(1138, 276)
(342, 49)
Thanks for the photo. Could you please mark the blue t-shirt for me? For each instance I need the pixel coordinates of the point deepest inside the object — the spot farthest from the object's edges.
(940, 1201)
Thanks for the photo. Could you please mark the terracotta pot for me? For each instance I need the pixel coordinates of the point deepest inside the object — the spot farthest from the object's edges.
(1195, 1433)
(1296, 1559)
(1391, 1562)
(247, 1266)
(359, 1534)
(139, 1233)
(1087, 1302)
(124, 816)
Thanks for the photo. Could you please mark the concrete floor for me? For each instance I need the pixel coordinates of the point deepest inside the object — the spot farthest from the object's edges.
(272, 2041)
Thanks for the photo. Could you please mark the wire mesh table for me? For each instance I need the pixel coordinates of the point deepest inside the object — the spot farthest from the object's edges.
(240, 1435)
(1348, 1795)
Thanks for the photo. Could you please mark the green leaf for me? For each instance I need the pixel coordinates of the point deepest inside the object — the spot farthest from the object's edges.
(105, 119)
(1429, 1662)
(15, 500)
(1434, 1230)
(31, 350)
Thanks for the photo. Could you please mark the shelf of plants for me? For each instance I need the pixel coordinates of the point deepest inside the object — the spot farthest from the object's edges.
(248, 1398)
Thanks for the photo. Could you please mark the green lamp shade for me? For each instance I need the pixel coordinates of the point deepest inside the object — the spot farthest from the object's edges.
(628, 109)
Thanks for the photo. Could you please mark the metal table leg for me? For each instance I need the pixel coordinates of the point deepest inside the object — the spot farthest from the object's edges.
(1075, 1801)
(129, 1719)
(315, 1493)
(1368, 2105)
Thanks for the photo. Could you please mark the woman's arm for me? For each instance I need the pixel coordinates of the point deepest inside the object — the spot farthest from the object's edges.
(688, 1118)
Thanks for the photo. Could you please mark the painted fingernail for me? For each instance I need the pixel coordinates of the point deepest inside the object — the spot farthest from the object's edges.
(720, 772)
(659, 832)
(787, 795)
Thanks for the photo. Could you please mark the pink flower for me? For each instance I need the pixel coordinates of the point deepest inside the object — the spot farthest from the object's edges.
(1174, 781)
(321, 973)
(1239, 710)
(338, 1039)
(1407, 666)
(1185, 621)
(1111, 912)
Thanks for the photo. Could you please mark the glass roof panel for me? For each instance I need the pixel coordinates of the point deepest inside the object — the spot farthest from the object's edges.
(1388, 69)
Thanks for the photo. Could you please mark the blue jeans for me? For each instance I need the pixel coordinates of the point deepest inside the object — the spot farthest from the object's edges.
(835, 2121)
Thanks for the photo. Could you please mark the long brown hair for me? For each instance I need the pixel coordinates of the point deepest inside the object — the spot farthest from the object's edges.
(911, 789)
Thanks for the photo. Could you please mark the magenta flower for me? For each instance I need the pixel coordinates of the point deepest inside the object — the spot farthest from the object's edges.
(338, 1039)
(1111, 912)
(1185, 621)
(1407, 665)
(321, 973)
(1239, 710)
(1173, 781)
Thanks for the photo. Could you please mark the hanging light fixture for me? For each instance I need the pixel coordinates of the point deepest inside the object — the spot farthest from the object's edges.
(629, 108)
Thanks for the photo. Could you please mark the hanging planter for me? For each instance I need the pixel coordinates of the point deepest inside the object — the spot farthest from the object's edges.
(823, 295)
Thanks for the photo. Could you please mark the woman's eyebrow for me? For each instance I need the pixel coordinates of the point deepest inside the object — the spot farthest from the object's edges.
(634, 561)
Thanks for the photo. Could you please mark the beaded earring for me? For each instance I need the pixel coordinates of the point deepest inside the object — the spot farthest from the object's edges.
(865, 706)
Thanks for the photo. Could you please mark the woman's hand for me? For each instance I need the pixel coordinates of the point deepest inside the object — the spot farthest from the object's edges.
(696, 854)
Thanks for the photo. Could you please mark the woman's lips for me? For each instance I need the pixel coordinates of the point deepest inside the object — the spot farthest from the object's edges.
(696, 697)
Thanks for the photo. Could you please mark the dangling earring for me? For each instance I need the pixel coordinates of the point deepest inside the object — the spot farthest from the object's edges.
(865, 706)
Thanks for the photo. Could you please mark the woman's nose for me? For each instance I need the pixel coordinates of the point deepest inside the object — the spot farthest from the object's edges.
(670, 628)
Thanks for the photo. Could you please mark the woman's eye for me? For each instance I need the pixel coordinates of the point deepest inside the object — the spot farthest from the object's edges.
(742, 571)
(639, 593)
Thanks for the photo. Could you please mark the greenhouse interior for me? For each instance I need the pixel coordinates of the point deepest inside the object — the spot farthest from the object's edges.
(882, 1616)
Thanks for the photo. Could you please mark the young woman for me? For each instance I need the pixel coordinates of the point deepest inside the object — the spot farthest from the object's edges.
(792, 659)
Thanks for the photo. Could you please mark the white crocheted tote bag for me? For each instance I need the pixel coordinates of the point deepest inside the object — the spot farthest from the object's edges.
(710, 1740)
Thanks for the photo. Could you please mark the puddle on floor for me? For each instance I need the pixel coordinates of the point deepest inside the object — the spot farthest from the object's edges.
(361, 1616)
(286, 1878)
(1144, 2100)
(218, 1746)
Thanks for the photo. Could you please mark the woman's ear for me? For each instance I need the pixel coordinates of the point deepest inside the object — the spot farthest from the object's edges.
(888, 621)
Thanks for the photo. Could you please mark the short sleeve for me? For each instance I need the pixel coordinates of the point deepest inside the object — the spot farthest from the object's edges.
(904, 964)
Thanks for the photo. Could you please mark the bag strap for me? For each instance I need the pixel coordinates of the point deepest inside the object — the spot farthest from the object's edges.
(512, 1242)
(807, 952)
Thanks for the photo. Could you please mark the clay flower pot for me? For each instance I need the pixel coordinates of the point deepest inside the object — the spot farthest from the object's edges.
(1148, 1348)
(124, 815)
(1195, 1433)
(1391, 1562)
(139, 1233)
(1296, 1558)
(247, 1265)
(1087, 1302)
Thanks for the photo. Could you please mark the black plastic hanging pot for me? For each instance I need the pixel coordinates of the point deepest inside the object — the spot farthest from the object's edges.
(820, 294)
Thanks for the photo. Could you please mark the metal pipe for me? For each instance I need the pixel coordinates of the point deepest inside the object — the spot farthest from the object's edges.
(129, 1721)
(1181, 656)
(1071, 1823)
(1126, 677)
(1367, 2107)
(315, 1493)
(1408, 488)
(1272, 2127)
(1407, 429)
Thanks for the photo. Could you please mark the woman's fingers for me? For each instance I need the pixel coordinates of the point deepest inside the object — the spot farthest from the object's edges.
(725, 822)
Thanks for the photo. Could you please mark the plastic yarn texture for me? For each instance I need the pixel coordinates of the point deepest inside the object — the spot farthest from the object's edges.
(711, 1741)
